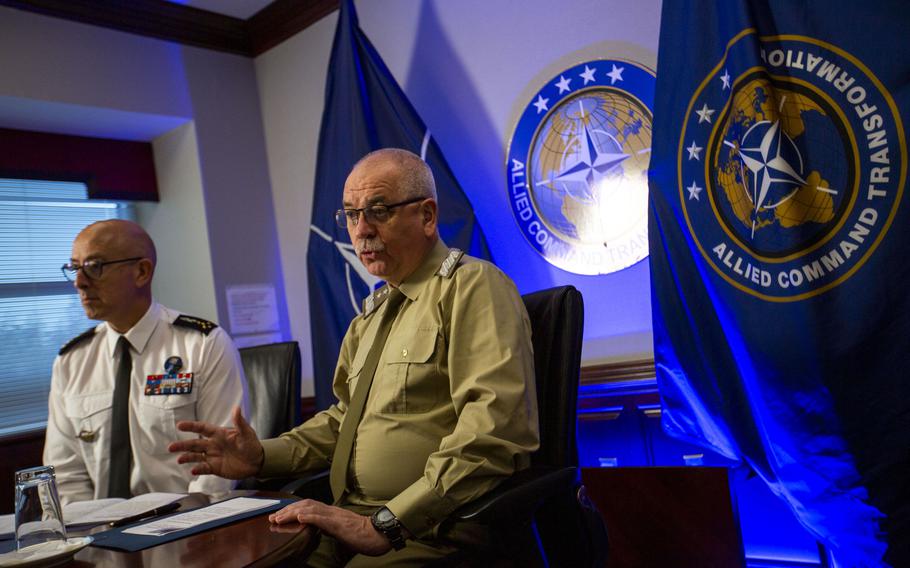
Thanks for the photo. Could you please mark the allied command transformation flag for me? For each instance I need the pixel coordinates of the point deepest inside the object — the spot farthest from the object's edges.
(365, 110)
(780, 254)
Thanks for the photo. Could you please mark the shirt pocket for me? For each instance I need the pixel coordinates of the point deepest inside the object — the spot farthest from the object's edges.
(353, 378)
(90, 416)
(411, 381)
(158, 417)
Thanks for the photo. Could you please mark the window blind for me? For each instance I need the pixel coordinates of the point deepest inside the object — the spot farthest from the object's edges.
(39, 309)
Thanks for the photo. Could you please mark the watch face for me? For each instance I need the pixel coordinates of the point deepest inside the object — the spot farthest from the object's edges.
(387, 523)
(384, 515)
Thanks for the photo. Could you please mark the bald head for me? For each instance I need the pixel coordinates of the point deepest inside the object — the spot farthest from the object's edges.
(121, 292)
(415, 179)
(121, 239)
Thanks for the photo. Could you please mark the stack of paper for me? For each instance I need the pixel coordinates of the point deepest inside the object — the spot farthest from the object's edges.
(88, 513)
(192, 519)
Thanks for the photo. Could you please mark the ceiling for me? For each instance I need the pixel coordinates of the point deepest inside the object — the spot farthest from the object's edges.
(243, 9)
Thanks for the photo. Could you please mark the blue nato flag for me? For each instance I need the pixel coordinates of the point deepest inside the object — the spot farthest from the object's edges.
(365, 110)
(779, 254)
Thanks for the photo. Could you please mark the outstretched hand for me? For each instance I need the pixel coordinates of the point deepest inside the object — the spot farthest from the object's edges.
(234, 453)
(355, 531)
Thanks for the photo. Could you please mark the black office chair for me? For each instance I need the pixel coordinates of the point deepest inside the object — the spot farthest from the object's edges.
(273, 379)
(541, 516)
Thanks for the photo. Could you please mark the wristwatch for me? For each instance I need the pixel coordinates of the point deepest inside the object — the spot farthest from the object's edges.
(387, 523)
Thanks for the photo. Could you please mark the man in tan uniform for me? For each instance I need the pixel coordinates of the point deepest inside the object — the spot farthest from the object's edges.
(450, 412)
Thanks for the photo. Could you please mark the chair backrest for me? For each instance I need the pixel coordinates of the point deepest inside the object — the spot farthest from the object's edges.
(557, 322)
(273, 376)
(569, 528)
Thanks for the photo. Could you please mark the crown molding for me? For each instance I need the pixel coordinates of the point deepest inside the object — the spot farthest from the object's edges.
(284, 18)
(187, 25)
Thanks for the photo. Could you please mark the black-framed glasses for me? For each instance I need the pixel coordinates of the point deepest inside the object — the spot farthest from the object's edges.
(92, 268)
(374, 214)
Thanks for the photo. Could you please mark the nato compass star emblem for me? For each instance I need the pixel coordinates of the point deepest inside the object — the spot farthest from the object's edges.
(775, 165)
(589, 164)
(789, 176)
(577, 167)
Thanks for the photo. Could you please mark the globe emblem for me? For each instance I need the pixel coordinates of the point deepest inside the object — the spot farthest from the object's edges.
(577, 167)
(768, 196)
(588, 166)
(789, 180)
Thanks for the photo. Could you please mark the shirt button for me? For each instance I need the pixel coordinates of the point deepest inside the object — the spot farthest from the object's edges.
(404, 353)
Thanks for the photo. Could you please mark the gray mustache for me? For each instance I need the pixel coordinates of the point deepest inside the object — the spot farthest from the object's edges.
(369, 245)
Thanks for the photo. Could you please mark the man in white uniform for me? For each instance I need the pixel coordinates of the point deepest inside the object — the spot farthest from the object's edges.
(119, 388)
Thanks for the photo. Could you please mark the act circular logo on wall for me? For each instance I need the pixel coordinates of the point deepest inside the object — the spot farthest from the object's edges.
(577, 167)
(791, 167)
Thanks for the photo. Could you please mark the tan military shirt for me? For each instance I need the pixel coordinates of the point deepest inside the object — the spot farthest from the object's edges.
(452, 410)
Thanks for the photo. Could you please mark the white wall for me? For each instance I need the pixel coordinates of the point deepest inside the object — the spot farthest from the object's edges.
(183, 281)
(214, 225)
(56, 61)
(291, 85)
(236, 187)
(469, 67)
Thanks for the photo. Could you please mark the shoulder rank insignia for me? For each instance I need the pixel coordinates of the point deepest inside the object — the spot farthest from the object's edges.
(198, 324)
(87, 334)
(374, 300)
(450, 263)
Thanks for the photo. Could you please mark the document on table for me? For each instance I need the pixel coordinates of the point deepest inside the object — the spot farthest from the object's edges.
(81, 509)
(201, 516)
(88, 513)
(98, 511)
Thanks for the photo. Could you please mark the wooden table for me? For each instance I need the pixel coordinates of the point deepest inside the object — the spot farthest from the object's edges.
(249, 542)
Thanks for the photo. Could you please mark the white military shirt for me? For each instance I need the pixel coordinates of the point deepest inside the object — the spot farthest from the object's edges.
(82, 388)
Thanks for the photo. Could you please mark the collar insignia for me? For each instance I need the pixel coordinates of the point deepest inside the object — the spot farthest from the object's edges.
(374, 300)
(198, 324)
(450, 263)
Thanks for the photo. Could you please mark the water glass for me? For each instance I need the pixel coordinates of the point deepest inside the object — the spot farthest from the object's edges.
(38, 512)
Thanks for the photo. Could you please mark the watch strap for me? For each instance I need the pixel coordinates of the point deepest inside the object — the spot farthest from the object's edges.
(388, 524)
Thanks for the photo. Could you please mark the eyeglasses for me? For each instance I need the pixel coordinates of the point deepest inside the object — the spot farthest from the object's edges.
(92, 268)
(374, 214)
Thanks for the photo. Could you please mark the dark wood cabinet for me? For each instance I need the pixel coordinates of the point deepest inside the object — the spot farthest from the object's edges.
(667, 516)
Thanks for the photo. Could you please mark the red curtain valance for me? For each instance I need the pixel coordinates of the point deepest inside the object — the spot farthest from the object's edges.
(112, 169)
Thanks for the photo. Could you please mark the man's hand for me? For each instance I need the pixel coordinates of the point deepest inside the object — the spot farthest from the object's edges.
(354, 531)
(234, 453)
